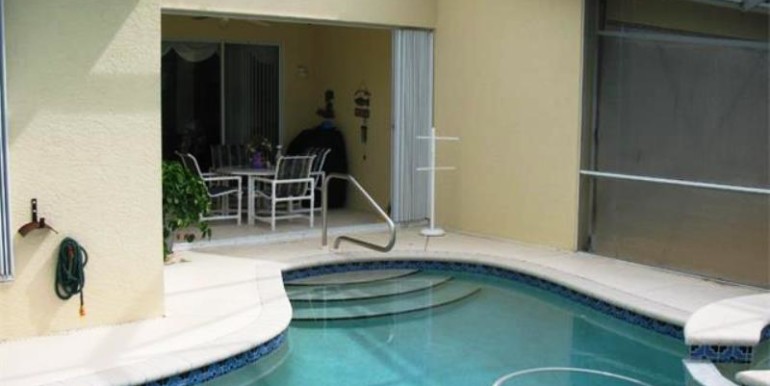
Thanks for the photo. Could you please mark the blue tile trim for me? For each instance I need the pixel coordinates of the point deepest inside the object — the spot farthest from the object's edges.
(722, 354)
(218, 369)
(617, 312)
(728, 354)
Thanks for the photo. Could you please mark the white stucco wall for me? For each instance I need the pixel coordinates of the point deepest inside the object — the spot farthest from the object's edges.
(84, 133)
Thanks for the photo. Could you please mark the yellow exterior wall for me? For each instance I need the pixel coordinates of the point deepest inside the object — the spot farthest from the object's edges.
(405, 13)
(350, 58)
(508, 82)
(690, 16)
(84, 136)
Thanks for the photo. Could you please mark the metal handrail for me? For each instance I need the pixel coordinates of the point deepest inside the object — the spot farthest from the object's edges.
(338, 240)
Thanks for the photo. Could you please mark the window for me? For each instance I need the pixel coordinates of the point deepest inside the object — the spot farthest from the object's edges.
(6, 260)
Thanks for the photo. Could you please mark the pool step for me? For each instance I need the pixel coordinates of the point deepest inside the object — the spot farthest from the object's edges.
(381, 306)
(369, 290)
(353, 277)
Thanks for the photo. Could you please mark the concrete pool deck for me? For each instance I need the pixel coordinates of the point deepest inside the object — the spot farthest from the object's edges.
(230, 298)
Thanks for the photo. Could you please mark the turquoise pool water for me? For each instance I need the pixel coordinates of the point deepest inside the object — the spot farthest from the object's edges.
(485, 329)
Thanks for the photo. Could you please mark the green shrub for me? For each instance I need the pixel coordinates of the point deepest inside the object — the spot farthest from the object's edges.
(185, 200)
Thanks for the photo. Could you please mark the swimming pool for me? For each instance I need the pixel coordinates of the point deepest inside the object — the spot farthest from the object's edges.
(428, 327)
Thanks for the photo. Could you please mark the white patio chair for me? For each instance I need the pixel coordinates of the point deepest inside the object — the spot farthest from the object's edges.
(219, 187)
(292, 184)
(318, 166)
(228, 156)
(317, 173)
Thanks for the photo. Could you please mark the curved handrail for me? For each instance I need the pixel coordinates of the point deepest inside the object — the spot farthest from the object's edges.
(338, 240)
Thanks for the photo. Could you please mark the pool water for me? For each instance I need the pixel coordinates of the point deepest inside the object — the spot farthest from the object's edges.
(483, 330)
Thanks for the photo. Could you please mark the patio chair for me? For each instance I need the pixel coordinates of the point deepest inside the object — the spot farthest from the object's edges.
(292, 184)
(218, 159)
(219, 187)
(226, 156)
(317, 172)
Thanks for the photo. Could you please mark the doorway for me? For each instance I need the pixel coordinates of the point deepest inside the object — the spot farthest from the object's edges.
(359, 64)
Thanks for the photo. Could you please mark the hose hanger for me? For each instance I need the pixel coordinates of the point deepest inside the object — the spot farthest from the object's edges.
(35, 223)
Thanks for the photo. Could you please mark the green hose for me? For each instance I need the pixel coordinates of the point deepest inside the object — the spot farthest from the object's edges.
(70, 271)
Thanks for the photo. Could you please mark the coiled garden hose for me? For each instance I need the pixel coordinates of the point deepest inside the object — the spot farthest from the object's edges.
(70, 271)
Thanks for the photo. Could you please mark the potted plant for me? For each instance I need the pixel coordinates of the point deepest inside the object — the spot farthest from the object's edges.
(260, 152)
(185, 200)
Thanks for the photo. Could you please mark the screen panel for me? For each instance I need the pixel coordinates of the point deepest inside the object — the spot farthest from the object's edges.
(685, 111)
(691, 110)
(709, 232)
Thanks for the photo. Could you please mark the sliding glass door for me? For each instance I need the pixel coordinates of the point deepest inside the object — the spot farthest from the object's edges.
(191, 99)
(218, 93)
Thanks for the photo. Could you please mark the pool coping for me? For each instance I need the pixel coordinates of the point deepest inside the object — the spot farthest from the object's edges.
(214, 345)
(729, 329)
(464, 265)
(581, 284)
(525, 273)
(573, 288)
(171, 370)
(608, 300)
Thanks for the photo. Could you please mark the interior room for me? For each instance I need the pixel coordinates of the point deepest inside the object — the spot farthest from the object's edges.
(235, 87)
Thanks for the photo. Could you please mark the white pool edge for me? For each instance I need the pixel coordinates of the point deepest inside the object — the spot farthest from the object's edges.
(275, 318)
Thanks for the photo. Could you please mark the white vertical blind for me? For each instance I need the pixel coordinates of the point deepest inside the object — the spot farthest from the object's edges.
(412, 116)
(6, 259)
(251, 93)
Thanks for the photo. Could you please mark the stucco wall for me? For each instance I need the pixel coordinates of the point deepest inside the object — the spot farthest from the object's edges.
(351, 58)
(405, 13)
(508, 82)
(84, 128)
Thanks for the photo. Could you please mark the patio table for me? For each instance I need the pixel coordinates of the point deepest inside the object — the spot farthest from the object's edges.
(250, 174)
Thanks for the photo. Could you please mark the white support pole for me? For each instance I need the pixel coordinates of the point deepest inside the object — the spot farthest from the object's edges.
(432, 230)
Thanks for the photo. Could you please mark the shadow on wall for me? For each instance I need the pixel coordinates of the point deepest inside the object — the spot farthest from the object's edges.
(40, 277)
(84, 133)
(71, 78)
(43, 277)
